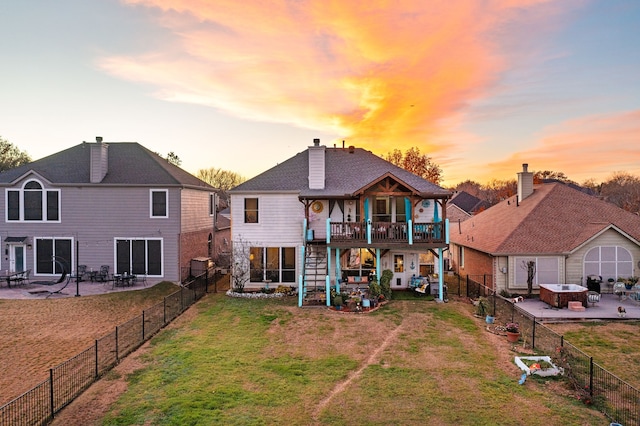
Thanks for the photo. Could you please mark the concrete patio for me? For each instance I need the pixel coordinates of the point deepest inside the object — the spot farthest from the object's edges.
(606, 309)
(35, 290)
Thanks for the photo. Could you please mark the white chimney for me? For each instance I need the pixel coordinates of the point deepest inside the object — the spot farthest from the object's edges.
(525, 183)
(99, 164)
(316, 165)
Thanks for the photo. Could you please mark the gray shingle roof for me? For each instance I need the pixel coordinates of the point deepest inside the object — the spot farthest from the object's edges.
(129, 163)
(345, 173)
(555, 219)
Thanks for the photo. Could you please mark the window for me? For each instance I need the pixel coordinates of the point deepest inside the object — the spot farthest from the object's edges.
(547, 270)
(139, 256)
(159, 203)
(381, 212)
(277, 264)
(401, 214)
(608, 262)
(398, 263)
(33, 203)
(461, 257)
(250, 210)
(52, 255)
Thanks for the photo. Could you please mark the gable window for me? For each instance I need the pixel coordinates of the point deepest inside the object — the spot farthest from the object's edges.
(33, 203)
(608, 262)
(52, 255)
(250, 210)
(381, 210)
(139, 256)
(159, 203)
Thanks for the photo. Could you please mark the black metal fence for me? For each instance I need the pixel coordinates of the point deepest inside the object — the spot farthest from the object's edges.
(68, 380)
(594, 385)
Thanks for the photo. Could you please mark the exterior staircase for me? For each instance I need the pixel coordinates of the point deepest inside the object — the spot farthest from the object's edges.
(314, 277)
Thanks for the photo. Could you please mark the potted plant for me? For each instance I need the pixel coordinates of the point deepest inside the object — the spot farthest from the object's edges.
(484, 308)
(513, 331)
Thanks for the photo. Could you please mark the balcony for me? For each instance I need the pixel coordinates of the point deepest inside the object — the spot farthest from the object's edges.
(387, 234)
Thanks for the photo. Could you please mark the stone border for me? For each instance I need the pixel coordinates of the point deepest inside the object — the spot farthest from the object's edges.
(254, 295)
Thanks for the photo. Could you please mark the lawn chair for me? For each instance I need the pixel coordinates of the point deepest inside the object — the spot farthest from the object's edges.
(593, 297)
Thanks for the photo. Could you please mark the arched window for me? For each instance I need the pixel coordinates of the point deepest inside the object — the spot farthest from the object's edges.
(33, 203)
(608, 262)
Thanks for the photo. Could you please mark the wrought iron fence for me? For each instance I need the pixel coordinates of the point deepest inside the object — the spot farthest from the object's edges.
(594, 385)
(68, 380)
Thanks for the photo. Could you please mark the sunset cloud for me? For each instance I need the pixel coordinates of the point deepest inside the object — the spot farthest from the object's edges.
(381, 74)
(584, 148)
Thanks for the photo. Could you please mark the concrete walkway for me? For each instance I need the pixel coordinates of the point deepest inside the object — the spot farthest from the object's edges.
(606, 309)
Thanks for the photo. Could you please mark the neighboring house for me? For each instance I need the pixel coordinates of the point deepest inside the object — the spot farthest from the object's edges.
(329, 213)
(115, 204)
(464, 205)
(568, 233)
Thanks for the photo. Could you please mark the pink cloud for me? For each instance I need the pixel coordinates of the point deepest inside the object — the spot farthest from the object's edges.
(583, 148)
(381, 74)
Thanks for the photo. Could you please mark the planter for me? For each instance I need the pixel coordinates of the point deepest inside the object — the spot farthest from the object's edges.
(513, 337)
(490, 319)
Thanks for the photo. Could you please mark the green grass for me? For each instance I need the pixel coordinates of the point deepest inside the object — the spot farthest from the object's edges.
(267, 362)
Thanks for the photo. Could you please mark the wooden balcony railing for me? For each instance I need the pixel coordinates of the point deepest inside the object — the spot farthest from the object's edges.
(388, 232)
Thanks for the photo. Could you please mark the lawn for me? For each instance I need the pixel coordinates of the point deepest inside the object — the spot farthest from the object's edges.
(37, 335)
(257, 362)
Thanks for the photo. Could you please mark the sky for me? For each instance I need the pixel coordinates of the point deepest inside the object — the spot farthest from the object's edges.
(481, 87)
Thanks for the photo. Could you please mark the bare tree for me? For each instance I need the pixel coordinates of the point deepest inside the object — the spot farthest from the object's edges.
(417, 163)
(173, 158)
(11, 156)
(224, 180)
(623, 190)
(240, 264)
(530, 267)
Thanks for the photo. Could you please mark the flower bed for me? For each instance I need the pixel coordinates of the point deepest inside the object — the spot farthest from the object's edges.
(538, 365)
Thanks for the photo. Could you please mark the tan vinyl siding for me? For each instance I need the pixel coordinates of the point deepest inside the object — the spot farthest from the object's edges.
(610, 238)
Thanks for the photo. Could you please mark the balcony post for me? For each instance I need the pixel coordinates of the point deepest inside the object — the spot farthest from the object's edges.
(410, 233)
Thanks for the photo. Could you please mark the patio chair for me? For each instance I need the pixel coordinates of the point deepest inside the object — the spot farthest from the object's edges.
(103, 274)
(593, 297)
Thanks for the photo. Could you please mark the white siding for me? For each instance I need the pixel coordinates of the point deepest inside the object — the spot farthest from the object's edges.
(280, 218)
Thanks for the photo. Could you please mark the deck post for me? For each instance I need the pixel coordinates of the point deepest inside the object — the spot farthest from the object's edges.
(328, 277)
(338, 271)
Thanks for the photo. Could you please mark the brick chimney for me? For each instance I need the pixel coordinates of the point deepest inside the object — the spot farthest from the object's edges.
(99, 160)
(316, 165)
(525, 183)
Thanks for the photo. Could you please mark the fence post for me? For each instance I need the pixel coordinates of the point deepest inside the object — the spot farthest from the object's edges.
(143, 326)
(164, 311)
(533, 337)
(53, 410)
(117, 356)
(591, 376)
(97, 366)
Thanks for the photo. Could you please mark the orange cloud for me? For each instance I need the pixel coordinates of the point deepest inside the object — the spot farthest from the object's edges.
(584, 148)
(381, 74)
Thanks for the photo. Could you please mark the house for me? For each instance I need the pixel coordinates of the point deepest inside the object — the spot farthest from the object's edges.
(568, 234)
(328, 214)
(464, 205)
(114, 204)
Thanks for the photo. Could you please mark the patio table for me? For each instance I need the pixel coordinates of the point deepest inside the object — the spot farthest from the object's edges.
(8, 276)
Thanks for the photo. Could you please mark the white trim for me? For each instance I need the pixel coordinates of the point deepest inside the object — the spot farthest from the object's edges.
(166, 206)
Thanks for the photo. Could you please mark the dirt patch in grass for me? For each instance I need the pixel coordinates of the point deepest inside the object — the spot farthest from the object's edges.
(393, 337)
(37, 335)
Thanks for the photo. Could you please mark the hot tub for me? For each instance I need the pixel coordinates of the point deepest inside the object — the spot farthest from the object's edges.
(559, 295)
